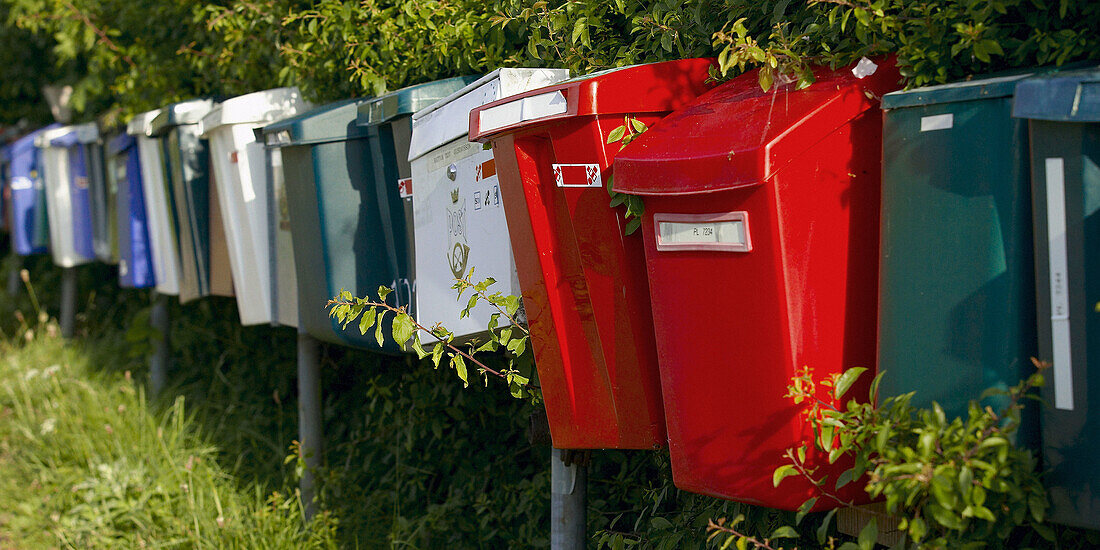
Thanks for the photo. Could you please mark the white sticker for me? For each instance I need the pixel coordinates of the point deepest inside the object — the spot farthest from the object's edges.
(864, 68)
(20, 183)
(726, 232)
(1059, 287)
(577, 175)
(937, 122)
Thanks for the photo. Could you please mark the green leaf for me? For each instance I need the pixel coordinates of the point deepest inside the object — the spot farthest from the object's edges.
(418, 348)
(784, 532)
(638, 125)
(437, 353)
(518, 346)
(844, 383)
(460, 367)
(804, 509)
(823, 530)
(633, 225)
(616, 134)
(766, 78)
(783, 472)
(403, 329)
(384, 291)
(868, 536)
(367, 320)
(381, 338)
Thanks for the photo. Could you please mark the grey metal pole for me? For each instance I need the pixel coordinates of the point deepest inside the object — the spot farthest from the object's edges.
(310, 426)
(15, 281)
(568, 503)
(158, 363)
(68, 302)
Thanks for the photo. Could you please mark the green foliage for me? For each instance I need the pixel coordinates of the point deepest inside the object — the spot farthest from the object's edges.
(952, 482)
(511, 339)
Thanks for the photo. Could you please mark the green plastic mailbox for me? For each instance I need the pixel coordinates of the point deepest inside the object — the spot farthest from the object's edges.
(1063, 115)
(325, 166)
(388, 121)
(956, 284)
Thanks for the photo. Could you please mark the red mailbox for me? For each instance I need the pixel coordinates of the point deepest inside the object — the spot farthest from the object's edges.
(583, 278)
(761, 237)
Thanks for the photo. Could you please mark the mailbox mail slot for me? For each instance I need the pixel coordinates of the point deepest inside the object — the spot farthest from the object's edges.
(792, 285)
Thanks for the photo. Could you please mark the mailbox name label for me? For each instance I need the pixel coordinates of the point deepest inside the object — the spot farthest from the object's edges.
(727, 232)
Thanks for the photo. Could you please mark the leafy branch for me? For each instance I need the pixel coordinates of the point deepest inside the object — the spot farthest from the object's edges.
(406, 331)
(628, 132)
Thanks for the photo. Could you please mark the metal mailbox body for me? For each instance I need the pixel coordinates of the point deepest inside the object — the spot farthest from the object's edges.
(186, 167)
(158, 209)
(102, 200)
(956, 275)
(135, 258)
(333, 209)
(1063, 115)
(65, 172)
(388, 123)
(240, 167)
(458, 215)
(761, 239)
(284, 280)
(29, 229)
(584, 287)
(5, 189)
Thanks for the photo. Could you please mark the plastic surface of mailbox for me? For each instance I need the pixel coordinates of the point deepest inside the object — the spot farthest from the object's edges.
(158, 210)
(458, 215)
(1063, 115)
(583, 279)
(186, 167)
(135, 261)
(240, 168)
(29, 230)
(956, 273)
(761, 239)
(66, 176)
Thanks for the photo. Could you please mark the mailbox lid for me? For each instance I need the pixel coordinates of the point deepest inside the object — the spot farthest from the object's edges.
(324, 124)
(410, 99)
(255, 108)
(1071, 96)
(652, 87)
(140, 124)
(120, 144)
(75, 135)
(969, 90)
(184, 113)
(449, 118)
(737, 135)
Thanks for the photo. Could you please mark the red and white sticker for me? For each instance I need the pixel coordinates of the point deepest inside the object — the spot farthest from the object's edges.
(486, 170)
(577, 175)
(233, 157)
(405, 187)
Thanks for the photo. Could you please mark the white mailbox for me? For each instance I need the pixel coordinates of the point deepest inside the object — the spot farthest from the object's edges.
(240, 169)
(162, 230)
(57, 174)
(458, 214)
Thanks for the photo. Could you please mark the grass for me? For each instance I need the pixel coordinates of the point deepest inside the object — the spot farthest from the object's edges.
(87, 463)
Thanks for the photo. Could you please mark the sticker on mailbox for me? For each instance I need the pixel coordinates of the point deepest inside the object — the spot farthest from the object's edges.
(577, 175)
(405, 187)
(723, 232)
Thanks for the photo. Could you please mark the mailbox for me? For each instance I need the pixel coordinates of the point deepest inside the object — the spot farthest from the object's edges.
(187, 168)
(387, 192)
(65, 172)
(240, 167)
(5, 189)
(1063, 116)
(29, 227)
(135, 259)
(956, 283)
(158, 210)
(584, 287)
(102, 199)
(761, 240)
(458, 213)
(324, 162)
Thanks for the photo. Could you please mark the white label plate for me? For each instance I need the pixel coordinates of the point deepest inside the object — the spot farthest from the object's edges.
(1059, 287)
(723, 232)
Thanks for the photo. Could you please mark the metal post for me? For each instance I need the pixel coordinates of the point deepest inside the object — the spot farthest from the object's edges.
(68, 302)
(568, 502)
(158, 363)
(310, 426)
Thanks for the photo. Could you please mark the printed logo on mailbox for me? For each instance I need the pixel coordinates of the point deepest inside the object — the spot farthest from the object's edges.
(577, 175)
(458, 251)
